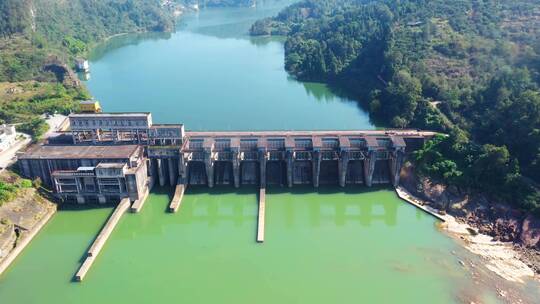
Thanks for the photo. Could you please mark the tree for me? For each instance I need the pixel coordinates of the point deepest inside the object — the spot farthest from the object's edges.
(431, 161)
(401, 98)
(493, 166)
(35, 127)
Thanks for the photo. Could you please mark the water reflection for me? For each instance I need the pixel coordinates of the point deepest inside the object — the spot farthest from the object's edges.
(328, 205)
(261, 41)
(68, 210)
(230, 22)
(220, 208)
(84, 76)
(121, 41)
(335, 205)
(320, 92)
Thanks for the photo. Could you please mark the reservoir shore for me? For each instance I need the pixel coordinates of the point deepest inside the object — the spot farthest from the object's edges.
(506, 238)
(39, 220)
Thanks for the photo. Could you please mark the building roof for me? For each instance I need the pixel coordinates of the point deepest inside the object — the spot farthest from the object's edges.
(167, 126)
(123, 114)
(85, 168)
(80, 152)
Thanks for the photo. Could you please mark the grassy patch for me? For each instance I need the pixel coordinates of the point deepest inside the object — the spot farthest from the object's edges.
(10, 186)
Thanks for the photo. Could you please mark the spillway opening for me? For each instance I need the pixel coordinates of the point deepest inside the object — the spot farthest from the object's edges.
(302, 172)
(329, 173)
(381, 174)
(276, 173)
(196, 173)
(223, 173)
(249, 173)
(355, 172)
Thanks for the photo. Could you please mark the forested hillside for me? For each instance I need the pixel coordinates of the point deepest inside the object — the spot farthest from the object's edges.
(37, 33)
(469, 68)
(68, 28)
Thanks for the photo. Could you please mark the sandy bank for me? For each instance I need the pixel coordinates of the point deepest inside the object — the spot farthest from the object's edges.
(499, 257)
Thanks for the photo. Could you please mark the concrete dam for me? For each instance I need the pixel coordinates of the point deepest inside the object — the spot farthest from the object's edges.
(105, 157)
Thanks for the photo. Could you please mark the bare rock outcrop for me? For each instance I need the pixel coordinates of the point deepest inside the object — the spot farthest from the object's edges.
(530, 232)
(487, 215)
(62, 71)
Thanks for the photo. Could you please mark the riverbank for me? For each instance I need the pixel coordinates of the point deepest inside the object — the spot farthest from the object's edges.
(20, 221)
(507, 240)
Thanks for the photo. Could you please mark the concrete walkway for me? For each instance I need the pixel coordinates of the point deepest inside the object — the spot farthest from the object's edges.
(138, 204)
(406, 196)
(177, 199)
(102, 238)
(8, 157)
(260, 222)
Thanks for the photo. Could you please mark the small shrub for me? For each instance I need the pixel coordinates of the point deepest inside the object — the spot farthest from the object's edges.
(26, 183)
(5, 221)
(37, 183)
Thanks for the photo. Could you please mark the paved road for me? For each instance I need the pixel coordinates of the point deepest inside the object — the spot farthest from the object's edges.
(55, 122)
(8, 157)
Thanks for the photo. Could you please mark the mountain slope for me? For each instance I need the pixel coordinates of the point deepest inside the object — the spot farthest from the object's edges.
(466, 67)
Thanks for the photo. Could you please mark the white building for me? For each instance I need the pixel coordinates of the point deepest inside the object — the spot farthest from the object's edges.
(82, 65)
(8, 136)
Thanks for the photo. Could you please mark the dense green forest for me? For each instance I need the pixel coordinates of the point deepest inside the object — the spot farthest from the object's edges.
(34, 29)
(469, 68)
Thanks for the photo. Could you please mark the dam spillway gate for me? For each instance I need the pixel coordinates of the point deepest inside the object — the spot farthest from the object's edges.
(280, 158)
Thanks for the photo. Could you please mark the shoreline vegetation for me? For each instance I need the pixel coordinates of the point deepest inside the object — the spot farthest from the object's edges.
(40, 40)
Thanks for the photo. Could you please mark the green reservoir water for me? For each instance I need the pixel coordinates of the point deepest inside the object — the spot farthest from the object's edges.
(333, 245)
(321, 247)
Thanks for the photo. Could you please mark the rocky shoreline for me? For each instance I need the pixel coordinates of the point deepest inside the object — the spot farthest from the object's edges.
(503, 235)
